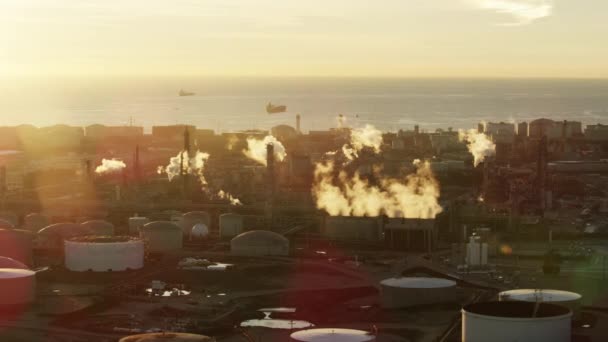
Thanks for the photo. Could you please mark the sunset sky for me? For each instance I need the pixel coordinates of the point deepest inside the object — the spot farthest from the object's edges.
(388, 38)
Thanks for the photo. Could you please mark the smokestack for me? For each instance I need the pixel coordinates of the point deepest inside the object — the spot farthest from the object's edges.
(136, 168)
(88, 168)
(187, 140)
(270, 169)
(481, 128)
(298, 123)
(542, 171)
(3, 187)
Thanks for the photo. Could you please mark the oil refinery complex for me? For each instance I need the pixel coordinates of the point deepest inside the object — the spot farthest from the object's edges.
(496, 233)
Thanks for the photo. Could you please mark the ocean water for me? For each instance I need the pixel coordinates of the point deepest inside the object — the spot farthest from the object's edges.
(237, 104)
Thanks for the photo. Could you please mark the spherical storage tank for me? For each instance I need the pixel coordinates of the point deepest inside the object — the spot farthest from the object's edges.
(189, 219)
(231, 225)
(35, 221)
(411, 291)
(166, 337)
(17, 244)
(17, 286)
(332, 335)
(98, 227)
(570, 300)
(136, 223)
(516, 321)
(104, 254)
(259, 243)
(162, 236)
(199, 231)
(352, 228)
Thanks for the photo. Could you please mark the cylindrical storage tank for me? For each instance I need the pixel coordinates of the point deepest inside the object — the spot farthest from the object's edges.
(104, 254)
(17, 287)
(516, 321)
(259, 243)
(411, 291)
(17, 244)
(231, 225)
(6, 262)
(352, 228)
(199, 231)
(35, 221)
(98, 228)
(136, 223)
(52, 237)
(571, 300)
(162, 236)
(189, 219)
(4, 224)
(331, 335)
(10, 217)
(166, 337)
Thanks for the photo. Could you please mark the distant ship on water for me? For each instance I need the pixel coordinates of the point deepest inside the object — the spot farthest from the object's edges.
(183, 92)
(272, 109)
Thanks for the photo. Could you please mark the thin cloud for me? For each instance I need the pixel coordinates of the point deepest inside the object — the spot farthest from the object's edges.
(523, 12)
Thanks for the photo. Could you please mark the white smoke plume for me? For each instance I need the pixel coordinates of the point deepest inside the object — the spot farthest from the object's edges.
(110, 166)
(232, 141)
(193, 165)
(227, 196)
(478, 144)
(256, 149)
(360, 138)
(415, 196)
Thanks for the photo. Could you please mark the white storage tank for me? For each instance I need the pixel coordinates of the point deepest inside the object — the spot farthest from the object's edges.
(516, 321)
(136, 223)
(188, 220)
(17, 287)
(98, 228)
(568, 299)
(35, 221)
(162, 236)
(352, 228)
(199, 231)
(231, 225)
(411, 291)
(104, 254)
(17, 244)
(259, 243)
(332, 335)
(166, 337)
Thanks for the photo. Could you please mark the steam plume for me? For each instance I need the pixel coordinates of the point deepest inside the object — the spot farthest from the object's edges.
(360, 138)
(256, 149)
(193, 165)
(227, 196)
(415, 196)
(478, 144)
(110, 166)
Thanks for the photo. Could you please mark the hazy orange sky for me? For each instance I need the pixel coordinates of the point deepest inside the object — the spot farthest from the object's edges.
(394, 38)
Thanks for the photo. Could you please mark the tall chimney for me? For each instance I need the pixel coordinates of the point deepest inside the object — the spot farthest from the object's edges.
(270, 170)
(186, 156)
(298, 123)
(481, 128)
(542, 172)
(3, 187)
